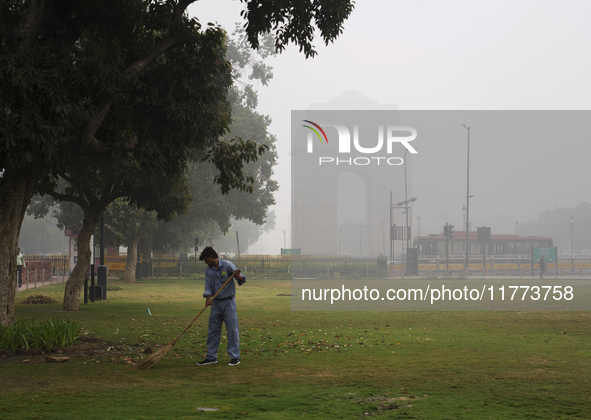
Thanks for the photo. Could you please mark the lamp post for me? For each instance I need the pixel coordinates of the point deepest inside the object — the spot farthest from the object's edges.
(383, 238)
(390, 228)
(102, 268)
(464, 227)
(418, 225)
(572, 241)
(467, 194)
(406, 203)
(464, 218)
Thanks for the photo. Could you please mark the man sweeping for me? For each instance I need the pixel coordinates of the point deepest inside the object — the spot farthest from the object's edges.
(223, 307)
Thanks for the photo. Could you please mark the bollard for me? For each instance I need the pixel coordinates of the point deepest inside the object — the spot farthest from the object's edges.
(86, 289)
(102, 279)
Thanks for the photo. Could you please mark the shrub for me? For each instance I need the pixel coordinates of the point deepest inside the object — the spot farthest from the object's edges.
(45, 335)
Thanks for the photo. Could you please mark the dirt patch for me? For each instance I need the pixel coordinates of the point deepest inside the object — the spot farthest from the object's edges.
(88, 347)
(38, 300)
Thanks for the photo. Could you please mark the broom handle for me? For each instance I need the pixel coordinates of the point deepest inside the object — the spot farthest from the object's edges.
(195, 319)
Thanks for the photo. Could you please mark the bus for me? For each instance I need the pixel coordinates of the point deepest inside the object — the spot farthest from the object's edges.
(503, 244)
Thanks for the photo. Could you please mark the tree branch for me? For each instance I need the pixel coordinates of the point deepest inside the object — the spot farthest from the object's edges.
(158, 49)
(88, 136)
(29, 29)
(69, 197)
(73, 183)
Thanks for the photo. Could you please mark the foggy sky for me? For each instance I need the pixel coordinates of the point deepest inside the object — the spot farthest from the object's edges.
(449, 55)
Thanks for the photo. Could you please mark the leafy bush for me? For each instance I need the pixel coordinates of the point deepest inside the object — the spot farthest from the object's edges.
(45, 335)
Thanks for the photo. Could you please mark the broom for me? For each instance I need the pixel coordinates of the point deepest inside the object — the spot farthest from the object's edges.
(154, 358)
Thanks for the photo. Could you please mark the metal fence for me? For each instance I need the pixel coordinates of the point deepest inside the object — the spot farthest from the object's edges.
(277, 266)
(517, 265)
(59, 263)
(43, 270)
(310, 266)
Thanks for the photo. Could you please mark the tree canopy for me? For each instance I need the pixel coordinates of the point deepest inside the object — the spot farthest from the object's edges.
(211, 214)
(78, 79)
(555, 223)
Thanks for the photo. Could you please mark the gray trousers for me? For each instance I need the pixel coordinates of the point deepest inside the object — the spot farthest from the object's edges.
(223, 311)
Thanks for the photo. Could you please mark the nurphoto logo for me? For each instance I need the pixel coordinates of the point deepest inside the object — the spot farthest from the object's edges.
(386, 136)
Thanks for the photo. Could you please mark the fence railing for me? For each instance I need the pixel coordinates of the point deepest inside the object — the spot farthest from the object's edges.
(286, 266)
(310, 266)
(39, 272)
(59, 264)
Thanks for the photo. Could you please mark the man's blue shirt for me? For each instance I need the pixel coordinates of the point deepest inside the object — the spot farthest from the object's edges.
(215, 279)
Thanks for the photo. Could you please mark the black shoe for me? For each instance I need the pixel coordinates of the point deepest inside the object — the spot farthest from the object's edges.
(207, 362)
(234, 362)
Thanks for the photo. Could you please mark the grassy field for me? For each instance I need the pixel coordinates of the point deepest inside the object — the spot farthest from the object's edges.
(316, 365)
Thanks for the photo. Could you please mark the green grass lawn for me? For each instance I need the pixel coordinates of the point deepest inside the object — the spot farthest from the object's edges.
(317, 365)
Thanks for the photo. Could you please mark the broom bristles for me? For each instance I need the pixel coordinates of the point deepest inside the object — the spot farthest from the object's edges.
(154, 358)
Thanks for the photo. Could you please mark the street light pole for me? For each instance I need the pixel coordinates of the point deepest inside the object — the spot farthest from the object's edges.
(467, 194)
(390, 228)
(406, 200)
(464, 218)
(572, 240)
(464, 227)
(383, 238)
(419, 225)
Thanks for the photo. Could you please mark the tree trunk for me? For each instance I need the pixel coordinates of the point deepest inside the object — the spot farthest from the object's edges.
(16, 189)
(131, 261)
(76, 280)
